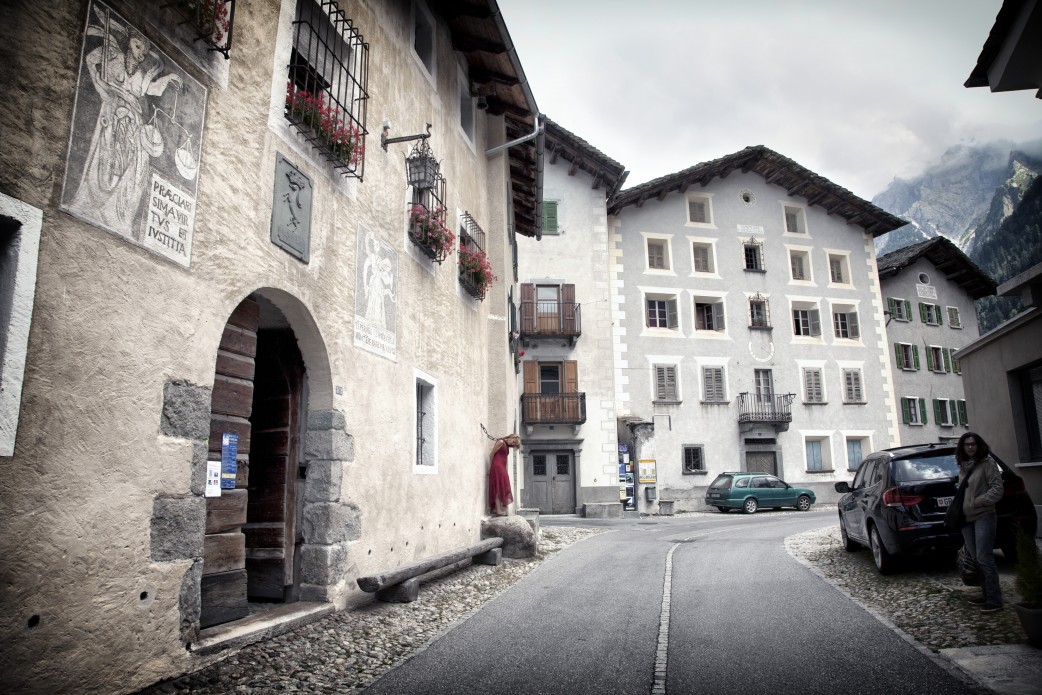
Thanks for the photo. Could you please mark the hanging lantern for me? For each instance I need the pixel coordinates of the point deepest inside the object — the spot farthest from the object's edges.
(421, 166)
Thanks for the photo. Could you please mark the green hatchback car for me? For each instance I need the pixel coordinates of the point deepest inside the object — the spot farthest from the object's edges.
(751, 491)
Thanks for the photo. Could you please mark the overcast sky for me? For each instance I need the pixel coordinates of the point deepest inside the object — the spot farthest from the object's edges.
(857, 91)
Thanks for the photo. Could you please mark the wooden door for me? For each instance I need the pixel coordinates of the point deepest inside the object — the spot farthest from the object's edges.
(761, 462)
(563, 483)
(223, 590)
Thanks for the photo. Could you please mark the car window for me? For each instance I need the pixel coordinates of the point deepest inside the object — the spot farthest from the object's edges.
(722, 482)
(760, 482)
(775, 482)
(862, 473)
(925, 468)
(742, 482)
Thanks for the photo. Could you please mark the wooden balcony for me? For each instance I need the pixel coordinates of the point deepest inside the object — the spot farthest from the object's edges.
(553, 409)
(550, 320)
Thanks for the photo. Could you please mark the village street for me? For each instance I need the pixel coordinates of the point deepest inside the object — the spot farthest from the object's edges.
(742, 616)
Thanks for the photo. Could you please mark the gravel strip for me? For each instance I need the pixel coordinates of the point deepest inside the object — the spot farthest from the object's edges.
(926, 599)
(345, 651)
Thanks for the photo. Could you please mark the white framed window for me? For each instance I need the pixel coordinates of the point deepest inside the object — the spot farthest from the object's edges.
(907, 356)
(930, 314)
(709, 315)
(900, 309)
(806, 320)
(913, 410)
(799, 265)
(700, 210)
(953, 317)
(858, 446)
(852, 388)
(424, 46)
(945, 412)
(425, 410)
(938, 359)
(713, 384)
(839, 268)
(813, 385)
(753, 252)
(694, 459)
(467, 108)
(20, 227)
(795, 220)
(659, 254)
(759, 312)
(818, 452)
(660, 311)
(667, 387)
(845, 322)
(702, 257)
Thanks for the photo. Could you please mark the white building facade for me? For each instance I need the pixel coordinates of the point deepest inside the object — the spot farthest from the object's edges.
(749, 327)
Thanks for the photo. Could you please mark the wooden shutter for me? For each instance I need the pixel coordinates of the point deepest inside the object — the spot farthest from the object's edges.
(900, 354)
(922, 410)
(530, 378)
(922, 312)
(853, 327)
(549, 215)
(939, 313)
(961, 405)
(906, 413)
(946, 353)
(718, 316)
(571, 376)
(930, 362)
(665, 382)
(815, 322)
(713, 379)
(697, 211)
(908, 309)
(568, 319)
(671, 314)
(937, 411)
(528, 308)
(915, 356)
(891, 306)
(812, 385)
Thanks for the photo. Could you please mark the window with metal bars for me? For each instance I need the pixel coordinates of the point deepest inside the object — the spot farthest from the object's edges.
(753, 255)
(327, 93)
(694, 459)
(759, 312)
(426, 423)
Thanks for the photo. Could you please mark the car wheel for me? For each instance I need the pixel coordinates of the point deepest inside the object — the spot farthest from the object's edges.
(884, 560)
(849, 544)
(723, 510)
(749, 506)
(803, 503)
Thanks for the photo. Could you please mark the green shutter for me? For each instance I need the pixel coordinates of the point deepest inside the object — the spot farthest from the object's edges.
(899, 356)
(905, 412)
(908, 309)
(936, 410)
(961, 405)
(940, 314)
(915, 356)
(922, 312)
(549, 215)
(929, 359)
(922, 409)
(891, 306)
(947, 352)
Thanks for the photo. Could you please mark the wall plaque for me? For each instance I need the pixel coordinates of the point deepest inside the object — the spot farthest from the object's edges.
(291, 209)
(376, 295)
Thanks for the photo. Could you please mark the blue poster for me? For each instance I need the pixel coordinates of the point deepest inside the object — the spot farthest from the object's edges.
(229, 466)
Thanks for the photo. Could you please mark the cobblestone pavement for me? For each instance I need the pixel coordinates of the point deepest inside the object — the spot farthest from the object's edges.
(927, 599)
(344, 652)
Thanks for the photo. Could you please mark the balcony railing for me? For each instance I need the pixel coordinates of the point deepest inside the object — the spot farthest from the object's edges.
(773, 408)
(551, 320)
(553, 409)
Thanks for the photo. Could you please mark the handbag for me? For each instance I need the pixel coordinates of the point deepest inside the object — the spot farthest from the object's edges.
(967, 568)
(954, 518)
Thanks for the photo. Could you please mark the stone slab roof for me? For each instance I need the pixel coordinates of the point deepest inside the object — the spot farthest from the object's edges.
(947, 258)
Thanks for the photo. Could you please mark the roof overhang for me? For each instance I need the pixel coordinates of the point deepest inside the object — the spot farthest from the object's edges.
(945, 257)
(1011, 58)
(775, 169)
(563, 145)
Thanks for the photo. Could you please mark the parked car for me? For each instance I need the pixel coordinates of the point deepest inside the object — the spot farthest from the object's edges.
(750, 491)
(897, 501)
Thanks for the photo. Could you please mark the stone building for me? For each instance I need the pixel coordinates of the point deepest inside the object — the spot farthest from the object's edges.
(929, 289)
(749, 327)
(251, 369)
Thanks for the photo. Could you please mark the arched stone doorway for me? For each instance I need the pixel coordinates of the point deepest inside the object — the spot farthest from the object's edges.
(271, 378)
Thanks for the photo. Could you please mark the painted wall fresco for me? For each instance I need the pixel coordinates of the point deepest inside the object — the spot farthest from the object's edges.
(376, 295)
(134, 148)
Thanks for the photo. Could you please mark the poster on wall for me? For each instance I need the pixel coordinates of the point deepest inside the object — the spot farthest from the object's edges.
(134, 147)
(376, 295)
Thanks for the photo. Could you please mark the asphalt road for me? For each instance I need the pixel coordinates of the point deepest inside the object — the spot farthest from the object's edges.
(737, 615)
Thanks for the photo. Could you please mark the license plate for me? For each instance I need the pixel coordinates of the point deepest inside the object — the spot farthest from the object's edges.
(943, 502)
(714, 494)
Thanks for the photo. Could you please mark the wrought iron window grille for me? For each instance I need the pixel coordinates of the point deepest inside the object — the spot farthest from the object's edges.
(759, 312)
(475, 273)
(753, 251)
(213, 21)
(327, 94)
(427, 227)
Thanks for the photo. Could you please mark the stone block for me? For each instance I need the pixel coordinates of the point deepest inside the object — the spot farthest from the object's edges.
(519, 540)
(406, 592)
(326, 420)
(328, 445)
(197, 483)
(323, 564)
(190, 602)
(186, 410)
(326, 523)
(319, 593)
(490, 557)
(603, 510)
(178, 525)
(323, 482)
(665, 507)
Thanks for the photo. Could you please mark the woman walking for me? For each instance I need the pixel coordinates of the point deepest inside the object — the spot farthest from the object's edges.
(982, 478)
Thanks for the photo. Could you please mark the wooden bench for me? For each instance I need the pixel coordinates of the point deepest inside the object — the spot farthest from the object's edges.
(402, 585)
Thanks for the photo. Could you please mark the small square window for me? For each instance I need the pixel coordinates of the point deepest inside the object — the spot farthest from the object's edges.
(913, 410)
(759, 313)
(799, 263)
(813, 388)
(838, 272)
(845, 324)
(753, 255)
(423, 37)
(953, 317)
(702, 257)
(699, 210)
(694, 459)
(713, 385)
(806, 322)
(709, 316)
(930, 313)
(818, 453)
(794, 221)
(662, 311)
(466, 108)
(666, 383)
(856, 446)
(658, 254)
(852, 391)
(900, 309)
(907, 356)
